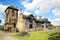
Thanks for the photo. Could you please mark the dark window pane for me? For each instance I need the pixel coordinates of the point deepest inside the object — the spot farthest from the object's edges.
(30, 26)
(16, 14)
(12, 12)
(30, 20)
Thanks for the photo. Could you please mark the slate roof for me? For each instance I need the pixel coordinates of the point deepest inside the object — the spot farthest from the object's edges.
(28, 16)
(36, 20)
(43, 20)
(11, 7)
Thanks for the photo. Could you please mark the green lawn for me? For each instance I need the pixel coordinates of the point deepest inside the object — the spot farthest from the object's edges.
(37, 35)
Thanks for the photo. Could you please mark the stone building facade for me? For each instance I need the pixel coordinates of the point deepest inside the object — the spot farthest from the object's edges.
(31, 23)
(23, 22)
(42, 23)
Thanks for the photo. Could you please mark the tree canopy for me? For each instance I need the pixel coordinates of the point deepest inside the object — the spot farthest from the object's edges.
(0, 21)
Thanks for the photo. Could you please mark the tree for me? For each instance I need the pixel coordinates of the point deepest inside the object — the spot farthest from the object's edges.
(0, 21)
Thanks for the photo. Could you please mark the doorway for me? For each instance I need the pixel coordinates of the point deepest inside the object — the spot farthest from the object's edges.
(30, 26)
(14, 25)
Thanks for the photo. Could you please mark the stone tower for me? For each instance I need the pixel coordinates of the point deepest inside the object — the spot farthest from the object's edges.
(11, 18)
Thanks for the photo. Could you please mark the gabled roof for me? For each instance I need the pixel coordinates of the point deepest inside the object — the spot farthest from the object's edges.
(43, 20)
(28, 16)
(37, 20)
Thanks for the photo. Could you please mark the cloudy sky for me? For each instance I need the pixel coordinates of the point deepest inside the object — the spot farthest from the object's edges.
(46, 8)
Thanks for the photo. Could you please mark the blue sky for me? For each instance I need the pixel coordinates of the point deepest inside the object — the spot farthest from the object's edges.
(46, 8)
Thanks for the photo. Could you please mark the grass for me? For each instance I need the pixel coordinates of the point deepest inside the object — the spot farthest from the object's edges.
(37, 35)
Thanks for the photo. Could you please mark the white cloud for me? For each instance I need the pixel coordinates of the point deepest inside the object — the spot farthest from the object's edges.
(56, 21)
(55, 3)
(40, 17)
(2, 21)
(40, 6)
(26, 13)
(56, 12)
(2, 8)
(37, 11)
(43, 5)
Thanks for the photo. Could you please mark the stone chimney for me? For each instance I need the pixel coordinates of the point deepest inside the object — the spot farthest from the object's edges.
(20, 11)
(21, 22)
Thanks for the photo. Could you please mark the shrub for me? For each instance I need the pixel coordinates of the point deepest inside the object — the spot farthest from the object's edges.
(23, 33)
(1, 27)
(54, 36)
(51, 27)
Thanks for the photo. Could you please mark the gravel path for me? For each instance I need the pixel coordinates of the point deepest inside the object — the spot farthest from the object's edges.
(4, 36)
